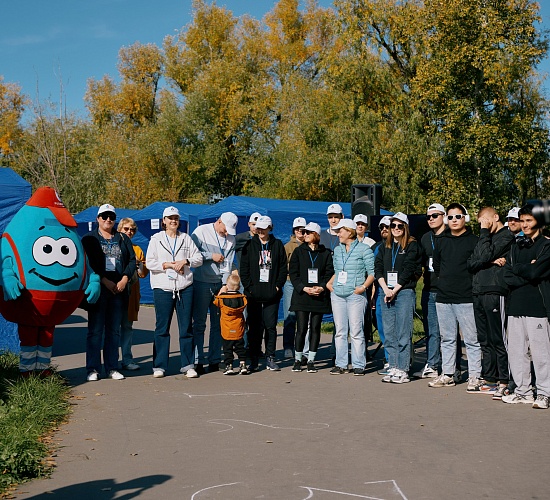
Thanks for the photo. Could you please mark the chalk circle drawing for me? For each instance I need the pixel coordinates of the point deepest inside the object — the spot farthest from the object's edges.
(394, 489)
(222, 394)
(223, 421)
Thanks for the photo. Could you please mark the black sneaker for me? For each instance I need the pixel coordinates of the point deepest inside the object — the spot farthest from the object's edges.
(311, 367)
(337, 371)
(200, 369)
(304, 361)
(271, 365)
(358, 372)
(243, 370)
(253, 365)
(228, 370)
(297, 366)
(213, 367)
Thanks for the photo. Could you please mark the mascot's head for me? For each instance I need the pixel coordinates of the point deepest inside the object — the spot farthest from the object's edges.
(46, 249)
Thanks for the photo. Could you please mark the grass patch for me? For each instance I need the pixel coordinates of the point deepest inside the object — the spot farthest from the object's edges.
(29, 409)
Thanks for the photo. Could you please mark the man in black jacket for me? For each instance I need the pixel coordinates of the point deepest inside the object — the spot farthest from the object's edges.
(527, 273)
(454, 300)
(489, 290)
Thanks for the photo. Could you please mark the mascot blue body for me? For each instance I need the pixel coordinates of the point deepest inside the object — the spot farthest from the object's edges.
(44, 275)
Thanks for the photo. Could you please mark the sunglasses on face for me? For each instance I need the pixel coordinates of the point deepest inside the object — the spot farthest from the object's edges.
(382, 226)
(108, 216)
(301, 231)
(457, 216)
(129, 229)
(433, 216)
(393, 225)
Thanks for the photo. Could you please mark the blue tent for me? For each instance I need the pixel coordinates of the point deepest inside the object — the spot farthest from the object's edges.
(15, 193)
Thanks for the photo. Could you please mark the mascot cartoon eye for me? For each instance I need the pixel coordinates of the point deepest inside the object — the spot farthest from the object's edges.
(47, 251)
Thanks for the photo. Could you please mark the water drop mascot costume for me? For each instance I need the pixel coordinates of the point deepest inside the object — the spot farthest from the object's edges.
(45, 275)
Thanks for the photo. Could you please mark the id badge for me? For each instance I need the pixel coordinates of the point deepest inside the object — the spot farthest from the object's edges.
(342, 277)
(431, 264)
(264, 275)
(224, 266)
(392, 280)
(110, 264)
(313, 275)
(172, 274)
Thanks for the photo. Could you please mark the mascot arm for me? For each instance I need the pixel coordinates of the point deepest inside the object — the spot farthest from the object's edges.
(11, 284)
(93, 290)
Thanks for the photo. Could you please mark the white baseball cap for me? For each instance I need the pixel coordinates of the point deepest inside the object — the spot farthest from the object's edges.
(263, 222)
(435, 207)
(298, 222)
(313, 226)
(169, 211)
(230, 220)
(254, 217)
(513, 213)
(105, 208)
(361, 218)
(401, 216)
(334, 209)
(386, 220)
(346, 223)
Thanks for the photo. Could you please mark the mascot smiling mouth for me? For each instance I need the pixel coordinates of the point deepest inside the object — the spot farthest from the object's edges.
(52, 281)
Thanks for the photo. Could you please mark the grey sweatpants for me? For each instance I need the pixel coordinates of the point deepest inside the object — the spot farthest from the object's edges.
(529, 335)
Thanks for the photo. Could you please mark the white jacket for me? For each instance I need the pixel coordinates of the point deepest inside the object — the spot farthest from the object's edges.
(159, 251)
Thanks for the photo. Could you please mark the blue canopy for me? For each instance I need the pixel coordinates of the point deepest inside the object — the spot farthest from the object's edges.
(15, 191)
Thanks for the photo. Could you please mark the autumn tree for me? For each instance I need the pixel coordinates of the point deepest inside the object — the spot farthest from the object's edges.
(12, 105)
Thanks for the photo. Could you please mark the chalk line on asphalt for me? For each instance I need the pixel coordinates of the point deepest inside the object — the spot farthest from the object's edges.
(222, 394)
(222, 421)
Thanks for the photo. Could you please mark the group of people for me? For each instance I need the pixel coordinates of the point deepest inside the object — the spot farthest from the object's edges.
(492, 289)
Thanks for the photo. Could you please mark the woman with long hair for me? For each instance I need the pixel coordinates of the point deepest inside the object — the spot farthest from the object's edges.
(397, 269)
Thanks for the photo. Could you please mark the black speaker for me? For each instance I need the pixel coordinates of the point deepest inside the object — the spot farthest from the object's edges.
(366, 199)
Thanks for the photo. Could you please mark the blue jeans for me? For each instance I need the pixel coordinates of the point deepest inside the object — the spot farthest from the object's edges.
(165, 304)
(349, 313)
(203, 296)
(398, 326)
(104, 319)
(449, 315)
(289, 325)
(431, 328)
(379, 301)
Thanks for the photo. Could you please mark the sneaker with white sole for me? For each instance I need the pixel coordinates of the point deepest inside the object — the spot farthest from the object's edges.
(191, 373)
(92, 376)
(474, 385)
(400, 377)
(271, 365)
(385, 370)
(502, 390)
(426, 372)
(514, 399)
(542, 402)
(442, 381)
(115, 375)
(228, 370)
(243, 370)
(488, 388)
(390, 374)
(158, 373)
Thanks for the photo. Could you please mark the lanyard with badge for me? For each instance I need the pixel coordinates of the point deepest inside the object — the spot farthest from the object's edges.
(110, 260)
(171, 273)
(343, 275)
(265, 263)
(312, 272)
(224, 264)
(431, 259)
(392, 276)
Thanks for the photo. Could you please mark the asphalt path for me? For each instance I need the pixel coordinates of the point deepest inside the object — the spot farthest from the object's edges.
(284, 435)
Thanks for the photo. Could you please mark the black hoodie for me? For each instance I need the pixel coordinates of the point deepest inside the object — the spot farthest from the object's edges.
(451, 255)
(250, 269)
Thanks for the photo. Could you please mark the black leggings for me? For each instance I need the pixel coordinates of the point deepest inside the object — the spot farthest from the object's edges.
(303, 320)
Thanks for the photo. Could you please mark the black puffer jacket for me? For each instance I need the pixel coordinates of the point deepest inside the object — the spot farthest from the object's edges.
(250, 269)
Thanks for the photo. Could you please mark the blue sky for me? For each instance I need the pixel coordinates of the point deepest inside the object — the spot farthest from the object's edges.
(46, 43)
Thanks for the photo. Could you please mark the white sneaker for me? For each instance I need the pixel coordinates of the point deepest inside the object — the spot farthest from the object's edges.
(442, 381)
(541, 402)
(289, 354)
(191, 373)
(400, 377)
(115, 375)
(391, 373)
(515, 399)
(158, 373)
(93, 376)
(426, 372)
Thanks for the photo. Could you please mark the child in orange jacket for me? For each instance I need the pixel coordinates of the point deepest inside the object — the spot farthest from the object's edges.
(232, 304)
